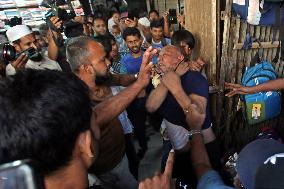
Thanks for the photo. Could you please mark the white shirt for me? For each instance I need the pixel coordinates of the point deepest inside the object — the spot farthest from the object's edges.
(45, 63)
(126, 124)
(110, 24)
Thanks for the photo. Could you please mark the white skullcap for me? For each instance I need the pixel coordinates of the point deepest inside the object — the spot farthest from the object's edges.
(17, 32)
(144, 21)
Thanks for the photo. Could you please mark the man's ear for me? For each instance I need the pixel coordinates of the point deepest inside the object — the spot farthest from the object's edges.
(87, 68)
(86, 143)
(17, 47)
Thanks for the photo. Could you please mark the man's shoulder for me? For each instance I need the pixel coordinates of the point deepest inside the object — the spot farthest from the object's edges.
(194, 76)
(168, 40)
(211, 180)
(126, 57)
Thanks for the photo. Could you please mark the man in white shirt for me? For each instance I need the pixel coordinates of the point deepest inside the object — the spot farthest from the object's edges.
(23, 39)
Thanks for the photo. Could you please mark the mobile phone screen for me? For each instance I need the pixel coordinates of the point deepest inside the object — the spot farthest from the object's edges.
(18, 175)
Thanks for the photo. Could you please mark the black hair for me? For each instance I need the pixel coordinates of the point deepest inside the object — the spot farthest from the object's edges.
(105, 40)
(99, 18)
(183, 36)
(114, 12)
(134, 13)
(36, 33)
(111, 37)
(153, 11)
(157, 24)
(131, 31)
(42, 113)
(18, 41)
(73, 29)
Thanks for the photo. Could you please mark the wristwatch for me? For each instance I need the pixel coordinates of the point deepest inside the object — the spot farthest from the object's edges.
(136, 75)
(193, 132)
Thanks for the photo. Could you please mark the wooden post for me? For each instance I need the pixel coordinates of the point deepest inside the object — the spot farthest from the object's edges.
(201, 20)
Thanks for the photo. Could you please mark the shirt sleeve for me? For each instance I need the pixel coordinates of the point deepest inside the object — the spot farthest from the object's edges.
(168, 41)
(123, 69)
(211, 180)
(197, 84)
(10, 70)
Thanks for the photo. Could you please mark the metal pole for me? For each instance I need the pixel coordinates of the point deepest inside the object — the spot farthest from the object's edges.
(179, 6)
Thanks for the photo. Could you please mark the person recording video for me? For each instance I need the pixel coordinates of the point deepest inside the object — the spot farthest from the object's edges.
(27, 52)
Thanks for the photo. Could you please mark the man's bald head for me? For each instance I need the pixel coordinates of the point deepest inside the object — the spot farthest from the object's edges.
(77, 51)
(172, 50)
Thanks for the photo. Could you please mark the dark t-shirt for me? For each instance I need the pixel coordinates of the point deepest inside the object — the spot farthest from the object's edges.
(192, 83)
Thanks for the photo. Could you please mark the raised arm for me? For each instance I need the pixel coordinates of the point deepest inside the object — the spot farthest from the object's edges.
(167, 31)
(156, 98)
(123, 79)
(113, 106)
(277, 84)
(51, 35)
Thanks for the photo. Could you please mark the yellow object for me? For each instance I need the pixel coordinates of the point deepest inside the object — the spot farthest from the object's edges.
(256, 111)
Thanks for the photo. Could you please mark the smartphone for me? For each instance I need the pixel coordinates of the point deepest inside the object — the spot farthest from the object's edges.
(20, 175)
(172, 16)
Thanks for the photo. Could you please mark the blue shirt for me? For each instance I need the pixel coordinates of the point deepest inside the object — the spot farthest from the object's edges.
(160, 45)
(122, 45)
(211, 180)
(130, 65)
(192, 83)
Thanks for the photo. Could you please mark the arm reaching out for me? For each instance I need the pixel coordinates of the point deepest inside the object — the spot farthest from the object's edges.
(113, 106)
(272, 85)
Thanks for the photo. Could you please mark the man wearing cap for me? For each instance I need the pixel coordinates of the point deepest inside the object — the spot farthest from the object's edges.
(22, 38)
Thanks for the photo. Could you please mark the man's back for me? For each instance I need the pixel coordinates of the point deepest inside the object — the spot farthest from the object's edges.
(111, 147)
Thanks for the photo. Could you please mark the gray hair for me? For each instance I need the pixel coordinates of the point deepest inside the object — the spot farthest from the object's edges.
(77, 51)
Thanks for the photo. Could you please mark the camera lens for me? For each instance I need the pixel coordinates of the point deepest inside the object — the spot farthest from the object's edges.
(9, 52)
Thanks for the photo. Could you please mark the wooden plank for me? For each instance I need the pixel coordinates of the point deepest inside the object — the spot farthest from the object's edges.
(224, 59)
(255, 45)
(235, 30)
(267, 39)
(203, 25)
(241, 52)
(279, 65)
(269, 54)
(262, 37)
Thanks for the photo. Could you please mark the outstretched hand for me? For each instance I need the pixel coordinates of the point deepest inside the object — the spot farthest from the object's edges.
(160, 181)
(236, 89)
(146, 67)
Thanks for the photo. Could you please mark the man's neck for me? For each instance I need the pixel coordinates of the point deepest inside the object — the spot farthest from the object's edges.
(136, 55)
(72, 177)
(156, 40)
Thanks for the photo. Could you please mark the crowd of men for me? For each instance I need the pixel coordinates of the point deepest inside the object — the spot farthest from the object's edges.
(74, 106)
